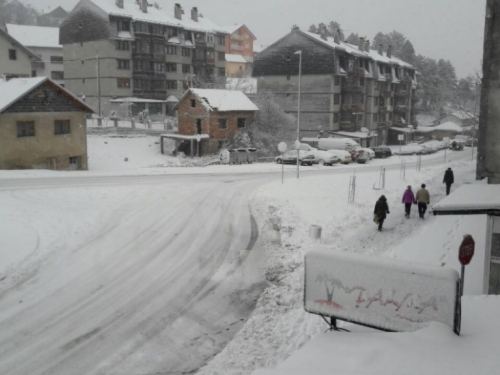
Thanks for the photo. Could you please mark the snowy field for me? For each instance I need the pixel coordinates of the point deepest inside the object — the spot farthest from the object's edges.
(279, 326)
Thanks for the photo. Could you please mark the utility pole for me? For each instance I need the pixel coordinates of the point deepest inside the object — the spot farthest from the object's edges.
(98, 67)
(298, 110)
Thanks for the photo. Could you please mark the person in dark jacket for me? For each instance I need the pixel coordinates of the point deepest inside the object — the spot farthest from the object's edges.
(448, 179)
(381, 211)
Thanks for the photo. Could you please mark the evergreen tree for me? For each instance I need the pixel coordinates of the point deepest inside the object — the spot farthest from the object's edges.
(353, 39)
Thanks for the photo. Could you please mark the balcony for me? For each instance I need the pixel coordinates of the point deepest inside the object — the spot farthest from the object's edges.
(388, 77)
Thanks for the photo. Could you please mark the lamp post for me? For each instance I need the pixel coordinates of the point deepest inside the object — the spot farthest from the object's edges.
(298, 110)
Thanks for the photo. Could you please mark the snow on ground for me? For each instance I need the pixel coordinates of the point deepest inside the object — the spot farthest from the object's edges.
(279, 325)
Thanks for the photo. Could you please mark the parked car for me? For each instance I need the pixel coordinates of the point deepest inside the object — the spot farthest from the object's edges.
(344, 156)
(407, 150)
(323, 157)
(382, 152)
(360, 156)
(290, 157)
(347, 144)
(369, 152)
(426, 149)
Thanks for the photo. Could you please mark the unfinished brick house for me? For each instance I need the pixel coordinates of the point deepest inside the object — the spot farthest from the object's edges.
(220, 114)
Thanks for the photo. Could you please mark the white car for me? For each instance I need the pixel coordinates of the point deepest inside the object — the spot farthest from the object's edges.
(322, 157)
(369, 152)
(407, 150)
(344, 156)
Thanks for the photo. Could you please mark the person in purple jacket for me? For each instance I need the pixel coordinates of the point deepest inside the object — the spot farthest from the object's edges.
(408, 200)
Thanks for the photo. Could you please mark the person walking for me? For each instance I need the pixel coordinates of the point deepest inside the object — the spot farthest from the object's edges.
(408, 200)
(423, 198)
(448, 179)
(381, 211)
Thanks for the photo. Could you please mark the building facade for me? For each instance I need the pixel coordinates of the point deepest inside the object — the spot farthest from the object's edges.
(218, 113)
(44, 42)
(144, 52)
(346, 90)
(15, 59)
(239, 51)
(42, 126)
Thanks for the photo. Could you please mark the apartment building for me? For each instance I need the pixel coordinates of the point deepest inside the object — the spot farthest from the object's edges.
(346, 90)
(44, 42)
(239, 51)
(15, 59)
(141, 51)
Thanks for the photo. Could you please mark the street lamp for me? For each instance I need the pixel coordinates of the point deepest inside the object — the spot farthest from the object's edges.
(298, 111)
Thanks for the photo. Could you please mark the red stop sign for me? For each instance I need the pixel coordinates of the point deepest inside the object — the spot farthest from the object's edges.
(466, 250)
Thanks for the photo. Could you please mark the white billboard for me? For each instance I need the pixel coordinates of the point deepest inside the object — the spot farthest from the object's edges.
(382, 293)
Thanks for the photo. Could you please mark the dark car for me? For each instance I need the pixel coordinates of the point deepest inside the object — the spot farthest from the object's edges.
(290, 157)
(382, 152)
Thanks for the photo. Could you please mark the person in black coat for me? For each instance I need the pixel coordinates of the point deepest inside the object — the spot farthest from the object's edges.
(448, 179)
(381, 211)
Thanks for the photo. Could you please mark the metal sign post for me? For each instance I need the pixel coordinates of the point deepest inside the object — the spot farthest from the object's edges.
(282, 147)
(297, 147)
(400, 138)
(465, 254)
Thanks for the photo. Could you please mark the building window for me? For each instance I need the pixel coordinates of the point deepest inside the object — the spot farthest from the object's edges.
(222, 123)
(336, 99)
(375, 117)
(33, 73)
(171, 50)
(158, 30)
(186, 52)
(198, 126)
(193, 103)
(377, 85)
(142, 47)
(171, 84)
(241, 123)
(336, 117)
(222, 72)
(360, 117)
(158, 48)
(123, 83)
(337, 81)
(57, 75)
(172, 67)
(56, 59)
(122, 45)
(61, 127)
(362, 82)
(221, 40)
(123, 64)
(210, 54)
(375, 100)
(159, 84)
(210, 38)
(158, 67)
(12, 54)
(123, 26)
(25, 129)
(186, 68)
(221, 56)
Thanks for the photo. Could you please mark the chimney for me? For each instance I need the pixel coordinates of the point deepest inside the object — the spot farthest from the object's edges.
(119, 4)
(178, 11)
(144, 6)
(367, 46)
(389, 52)
(194, 14)
(381, 49)
(361, 44)
(336, 36)
(322, 32)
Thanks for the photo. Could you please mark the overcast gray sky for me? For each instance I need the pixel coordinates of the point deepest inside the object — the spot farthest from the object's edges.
(448, 29)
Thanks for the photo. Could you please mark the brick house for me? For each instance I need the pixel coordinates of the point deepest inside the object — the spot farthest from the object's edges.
(42, 126)
(218, 113)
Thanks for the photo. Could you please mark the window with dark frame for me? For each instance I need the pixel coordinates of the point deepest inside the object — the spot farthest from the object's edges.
(56, 59)
(336, 117)
(123, 83)
(375, 117)
(241, 123)
(122, 45)
(362, 82)
(12, 54)
(186, 52)
(171, 67)
(171, 84)
(198, 126)
(62, 127)
(25, 129)
(171, 50)
(221, 40)
(186, 68)
(222, 123)
(221, 56)
(57, 75)
(375, 100)
(123, 64)
(337, 81)
(193, 103)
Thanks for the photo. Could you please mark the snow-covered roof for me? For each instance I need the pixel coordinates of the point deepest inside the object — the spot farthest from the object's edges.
(471, 198)
(35, 36)
(162, 16)
(172, 99)
(197, 137)
(11, 91)
(462, 115)
(235, 58)
(247, 84)
(449, 126)
(223, 100)
(136, 100)
(354, 50)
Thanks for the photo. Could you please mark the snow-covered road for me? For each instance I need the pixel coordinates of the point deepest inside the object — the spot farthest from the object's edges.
(130, 274)
(151, 278)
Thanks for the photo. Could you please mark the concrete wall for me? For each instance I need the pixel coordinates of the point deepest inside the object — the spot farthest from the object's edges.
(34, 152)
(19, 67)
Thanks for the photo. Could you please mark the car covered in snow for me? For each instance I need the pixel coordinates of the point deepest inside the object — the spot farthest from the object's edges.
(323, 157)
(290, 157)
(369, 152)
(382, 152)
(344, 156)
(407, 150)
